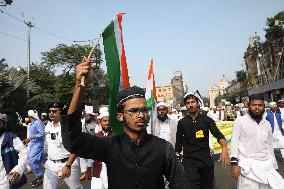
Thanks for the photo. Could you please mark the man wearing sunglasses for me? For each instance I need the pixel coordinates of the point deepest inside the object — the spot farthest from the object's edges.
(60, 163)
(134, 158)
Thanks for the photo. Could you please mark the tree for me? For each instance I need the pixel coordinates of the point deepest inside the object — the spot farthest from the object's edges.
(65, 58)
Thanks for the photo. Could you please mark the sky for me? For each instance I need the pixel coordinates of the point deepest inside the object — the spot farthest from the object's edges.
(202, 38)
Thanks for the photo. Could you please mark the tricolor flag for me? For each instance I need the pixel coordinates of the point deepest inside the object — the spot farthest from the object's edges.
(116, 66)
(151, 87)
(150, 95)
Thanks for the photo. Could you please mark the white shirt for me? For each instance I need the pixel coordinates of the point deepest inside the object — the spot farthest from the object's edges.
(214, 116)
(165, 131)
(22, 161)
(53, 142)
(91, 128)
(252, 140)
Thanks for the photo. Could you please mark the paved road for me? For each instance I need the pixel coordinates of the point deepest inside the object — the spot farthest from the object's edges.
(223, 180)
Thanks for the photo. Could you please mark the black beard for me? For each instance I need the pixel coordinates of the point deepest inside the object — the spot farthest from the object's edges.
(106, 130)
(162, 119)
(256, 117)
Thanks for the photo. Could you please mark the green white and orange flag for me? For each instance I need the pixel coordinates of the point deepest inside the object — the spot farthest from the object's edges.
(116, 66)
(151, 87)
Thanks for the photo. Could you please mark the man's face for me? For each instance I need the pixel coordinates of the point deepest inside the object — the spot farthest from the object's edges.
(162, 111)
(105, 123)
(273, 108)
(256, 108)
(191, 105)
(54, 114)
(135, 114)
(281, 104)
(88, 117)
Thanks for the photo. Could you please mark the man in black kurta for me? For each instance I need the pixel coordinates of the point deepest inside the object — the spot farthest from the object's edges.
(193, 138)
(134, 158)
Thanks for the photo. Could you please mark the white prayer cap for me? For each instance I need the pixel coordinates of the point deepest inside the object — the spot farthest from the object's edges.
(43, 114)
(32, 113)
(162, 104)
(206, 109)
(214, 107)
(3, 117)
(272, 104)
(227, 103)
(89, 109)
(183, 108)
(103, 114)
(103, 109)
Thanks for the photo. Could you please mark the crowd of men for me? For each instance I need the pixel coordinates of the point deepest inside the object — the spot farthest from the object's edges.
(174, 152)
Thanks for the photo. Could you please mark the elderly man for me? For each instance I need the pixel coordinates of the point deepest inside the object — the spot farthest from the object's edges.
(164, 126)
(275, 120)
(193, 138)
(13, 159)
(35, 141)
(253, 162)
(134, 158)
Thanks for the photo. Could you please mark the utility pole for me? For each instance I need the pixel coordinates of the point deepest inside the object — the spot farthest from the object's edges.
(29, 25)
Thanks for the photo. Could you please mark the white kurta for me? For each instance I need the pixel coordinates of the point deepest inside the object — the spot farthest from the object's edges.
(252, 145)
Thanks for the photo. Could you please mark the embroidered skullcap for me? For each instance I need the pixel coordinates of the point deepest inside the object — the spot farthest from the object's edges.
(199, 100)
(129, 93)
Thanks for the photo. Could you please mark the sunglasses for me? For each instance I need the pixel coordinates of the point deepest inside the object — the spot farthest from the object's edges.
(53, 111)
(137, 110)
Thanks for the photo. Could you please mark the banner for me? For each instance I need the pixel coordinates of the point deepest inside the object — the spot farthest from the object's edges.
(226, 129)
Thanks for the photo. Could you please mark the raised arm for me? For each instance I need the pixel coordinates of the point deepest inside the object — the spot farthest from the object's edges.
(82, 144)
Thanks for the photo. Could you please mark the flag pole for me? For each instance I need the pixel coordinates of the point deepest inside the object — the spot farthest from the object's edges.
(152, 121)
(89, 56)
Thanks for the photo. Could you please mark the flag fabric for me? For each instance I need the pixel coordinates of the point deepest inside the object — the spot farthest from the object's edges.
(116, 66)
(150, 95)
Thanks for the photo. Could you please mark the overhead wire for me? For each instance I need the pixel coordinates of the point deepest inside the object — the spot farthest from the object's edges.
(39, 29)
(16, 37)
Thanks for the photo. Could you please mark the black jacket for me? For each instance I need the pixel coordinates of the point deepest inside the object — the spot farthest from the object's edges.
(129, 165)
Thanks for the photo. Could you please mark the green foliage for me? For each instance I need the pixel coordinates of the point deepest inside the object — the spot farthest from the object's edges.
(274, 32)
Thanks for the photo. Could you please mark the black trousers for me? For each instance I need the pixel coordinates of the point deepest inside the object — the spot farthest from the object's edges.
(199, 173)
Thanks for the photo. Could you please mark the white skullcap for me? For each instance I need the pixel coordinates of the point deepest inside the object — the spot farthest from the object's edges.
(103, 109)
(206, 109)
(227, 103)
(3, 117)
(32, 113)
(89, 109)
(162, 104)
(272, 104)
(214, 107)
(43, 114)
(103, 114)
